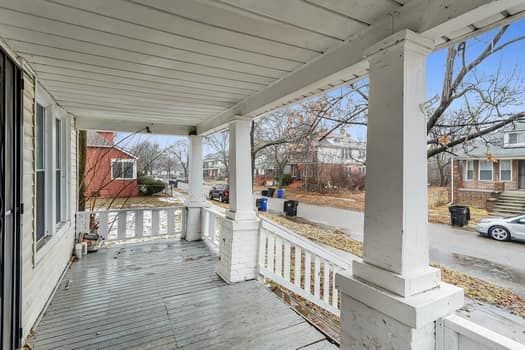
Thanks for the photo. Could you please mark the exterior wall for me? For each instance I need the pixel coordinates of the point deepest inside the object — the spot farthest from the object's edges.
(475, 192)
(41, 269)
(98, 175)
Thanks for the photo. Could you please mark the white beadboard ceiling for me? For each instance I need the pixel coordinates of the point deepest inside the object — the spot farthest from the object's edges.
(199, 63)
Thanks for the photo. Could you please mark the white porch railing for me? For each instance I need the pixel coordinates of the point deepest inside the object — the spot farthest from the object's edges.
(456, 333)
(134, 223)
(212, 218)
(300, 265)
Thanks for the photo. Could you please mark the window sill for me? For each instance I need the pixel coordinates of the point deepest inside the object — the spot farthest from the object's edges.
(46, 244)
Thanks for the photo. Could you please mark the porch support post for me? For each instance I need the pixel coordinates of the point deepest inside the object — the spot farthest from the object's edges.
(394, 296)
(239, 237)
(196, 200)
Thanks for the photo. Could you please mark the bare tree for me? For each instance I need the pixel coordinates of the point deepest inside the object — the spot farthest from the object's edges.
(220, 144)
(180, 155)
(473, 105)
(148, 154)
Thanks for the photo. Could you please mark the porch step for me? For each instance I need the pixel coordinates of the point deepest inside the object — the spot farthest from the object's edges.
(510, 203)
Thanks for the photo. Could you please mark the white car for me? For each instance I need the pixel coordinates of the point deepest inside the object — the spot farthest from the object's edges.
(503, 229)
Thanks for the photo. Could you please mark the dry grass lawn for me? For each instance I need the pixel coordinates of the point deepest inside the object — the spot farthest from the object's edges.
(132, 202)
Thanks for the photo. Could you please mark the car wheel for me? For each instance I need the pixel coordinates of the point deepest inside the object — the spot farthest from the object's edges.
(210, 195)
(499, 233)
(221, 198)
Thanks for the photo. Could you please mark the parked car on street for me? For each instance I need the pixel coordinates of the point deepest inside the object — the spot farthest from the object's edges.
(220, 192)
(503, 229)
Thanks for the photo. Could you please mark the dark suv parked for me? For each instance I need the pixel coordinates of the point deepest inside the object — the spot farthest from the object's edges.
(221, 192)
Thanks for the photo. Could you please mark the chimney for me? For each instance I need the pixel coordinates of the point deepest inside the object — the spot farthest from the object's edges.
(109, 136)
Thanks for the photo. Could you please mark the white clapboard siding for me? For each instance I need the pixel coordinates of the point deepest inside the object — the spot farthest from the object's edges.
(314, 267)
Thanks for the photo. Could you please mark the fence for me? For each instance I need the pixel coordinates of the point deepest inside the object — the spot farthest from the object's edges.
(212, 219)
(124, 224)
(456, 333)
(300, 265)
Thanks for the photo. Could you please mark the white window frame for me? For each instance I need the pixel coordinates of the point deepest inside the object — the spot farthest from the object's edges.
(500, 169)
(53, 112)
(465, 171)
(124, 160)
(491, 171)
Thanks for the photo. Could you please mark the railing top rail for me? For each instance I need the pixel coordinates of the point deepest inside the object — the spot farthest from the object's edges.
(479, 334)
(215, 210)
(305, 243)
(131, 209)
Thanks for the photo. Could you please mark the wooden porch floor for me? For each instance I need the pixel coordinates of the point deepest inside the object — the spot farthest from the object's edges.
(166, 295)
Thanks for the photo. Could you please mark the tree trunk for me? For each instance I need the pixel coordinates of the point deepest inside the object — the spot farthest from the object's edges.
(82, 153)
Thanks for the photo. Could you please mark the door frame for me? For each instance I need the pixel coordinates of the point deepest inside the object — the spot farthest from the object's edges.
(521, 172)
(10, 247)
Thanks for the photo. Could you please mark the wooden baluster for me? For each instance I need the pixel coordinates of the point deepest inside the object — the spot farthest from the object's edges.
(155, 222)
(102, 224)
(139, 223)
(278, 256)
(170, 213)
(271, 252)
(335, 292)
(122, 217)
(262, 249)
(297, 266)
(317, 277)
(307, 271)
(326, 282)
(287, 261)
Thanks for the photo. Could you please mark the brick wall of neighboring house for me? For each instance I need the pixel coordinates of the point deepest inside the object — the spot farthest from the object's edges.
(98, 174)
(475, 192)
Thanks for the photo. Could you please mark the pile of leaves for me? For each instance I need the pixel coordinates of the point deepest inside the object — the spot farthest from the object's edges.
(475, 288)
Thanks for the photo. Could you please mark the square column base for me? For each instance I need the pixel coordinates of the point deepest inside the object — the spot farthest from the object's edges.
(193, 220)
(373, 318)
(238, 250)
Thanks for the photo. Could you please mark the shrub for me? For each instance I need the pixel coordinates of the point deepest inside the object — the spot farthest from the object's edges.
(149, 186)
(285, 179)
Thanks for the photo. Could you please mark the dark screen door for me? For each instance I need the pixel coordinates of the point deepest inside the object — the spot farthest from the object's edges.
(11, 85)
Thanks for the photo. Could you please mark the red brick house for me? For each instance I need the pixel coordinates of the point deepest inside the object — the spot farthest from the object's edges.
(111, 172)
(490, 169)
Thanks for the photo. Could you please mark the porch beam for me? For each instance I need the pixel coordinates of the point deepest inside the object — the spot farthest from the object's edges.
(113, 124)
(432, 18)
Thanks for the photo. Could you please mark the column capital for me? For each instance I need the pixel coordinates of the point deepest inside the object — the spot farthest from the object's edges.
(405, 38)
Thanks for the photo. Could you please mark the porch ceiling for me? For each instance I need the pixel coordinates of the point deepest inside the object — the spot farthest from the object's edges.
(201, 62)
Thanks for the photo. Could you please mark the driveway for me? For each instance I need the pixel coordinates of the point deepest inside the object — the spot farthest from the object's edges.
(502, 263)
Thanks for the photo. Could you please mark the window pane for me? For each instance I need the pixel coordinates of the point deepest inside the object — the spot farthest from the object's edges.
(58, 196)
(504, 164)
(513, 138)
(40, 136)
(127, 170)
(505, 175)
(485, 175)
(58, 139)
(117, 169)
(40, 205)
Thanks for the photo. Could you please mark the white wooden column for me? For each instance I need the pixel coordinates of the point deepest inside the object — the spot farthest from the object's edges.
(196, 196)
(394, 283)
(240, 229)
(242, 205)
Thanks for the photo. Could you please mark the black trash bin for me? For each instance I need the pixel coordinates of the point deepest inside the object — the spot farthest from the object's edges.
(459, 215)
(290, 208)
(271, 191)
(264, 193)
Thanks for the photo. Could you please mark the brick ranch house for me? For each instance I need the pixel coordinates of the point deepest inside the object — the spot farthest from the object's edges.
(111, 172)
(490, 169)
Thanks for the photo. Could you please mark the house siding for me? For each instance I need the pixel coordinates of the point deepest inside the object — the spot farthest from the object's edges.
(41, 270)
(98, 175)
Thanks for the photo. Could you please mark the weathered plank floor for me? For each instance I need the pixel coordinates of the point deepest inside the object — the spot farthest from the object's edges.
(166, 295)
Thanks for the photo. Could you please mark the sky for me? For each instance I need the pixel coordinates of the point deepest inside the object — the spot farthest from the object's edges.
(511, 60)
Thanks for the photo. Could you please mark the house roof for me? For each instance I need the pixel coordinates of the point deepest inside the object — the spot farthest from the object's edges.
(481, 150)
(94, 139)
